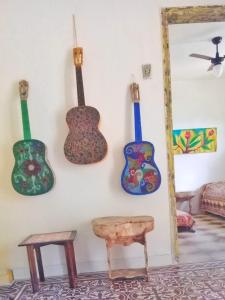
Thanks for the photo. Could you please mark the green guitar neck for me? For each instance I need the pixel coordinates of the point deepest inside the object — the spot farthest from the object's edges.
(26, 122)
(23, 88)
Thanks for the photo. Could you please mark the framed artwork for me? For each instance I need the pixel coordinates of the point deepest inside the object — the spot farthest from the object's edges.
(197, 140)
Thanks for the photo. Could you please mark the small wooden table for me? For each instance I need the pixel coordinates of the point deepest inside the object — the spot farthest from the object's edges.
(124, 231)
(35, 241)
(185, 196)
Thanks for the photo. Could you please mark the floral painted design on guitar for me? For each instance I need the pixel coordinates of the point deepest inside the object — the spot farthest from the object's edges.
(140, 176)
(31, 175)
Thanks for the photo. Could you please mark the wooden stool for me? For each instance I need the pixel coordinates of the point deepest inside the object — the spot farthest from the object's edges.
(185, 196)
(124, 231)
(35, 241)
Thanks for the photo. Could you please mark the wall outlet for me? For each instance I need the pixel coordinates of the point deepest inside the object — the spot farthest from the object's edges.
(146, 71)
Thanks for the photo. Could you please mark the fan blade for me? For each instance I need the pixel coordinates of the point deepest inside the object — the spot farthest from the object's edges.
(201, 56)
(210, 67)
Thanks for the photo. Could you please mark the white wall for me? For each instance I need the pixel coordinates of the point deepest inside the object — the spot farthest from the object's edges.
(36, 39)
(199, 104)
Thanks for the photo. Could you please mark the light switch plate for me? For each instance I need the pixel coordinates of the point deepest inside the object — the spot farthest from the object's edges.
(146, 71)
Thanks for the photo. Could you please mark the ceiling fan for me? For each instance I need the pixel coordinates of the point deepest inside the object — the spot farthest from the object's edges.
(215, 61)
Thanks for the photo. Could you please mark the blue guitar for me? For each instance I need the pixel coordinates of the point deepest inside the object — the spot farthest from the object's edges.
(140, 175)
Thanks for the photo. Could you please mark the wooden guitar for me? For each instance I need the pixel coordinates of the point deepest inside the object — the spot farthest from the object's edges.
(31, 174)
(84, 144)
(140, 175)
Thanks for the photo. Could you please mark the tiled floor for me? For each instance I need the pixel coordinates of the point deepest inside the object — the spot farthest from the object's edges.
(207, 243)
(199, 281)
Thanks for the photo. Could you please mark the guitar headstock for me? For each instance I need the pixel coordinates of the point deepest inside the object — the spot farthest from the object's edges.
(23, 89)
(134, 90)
(78, 56)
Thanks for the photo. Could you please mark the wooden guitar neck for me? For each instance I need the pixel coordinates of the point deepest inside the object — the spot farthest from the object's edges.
(80, 87)
(78, 60)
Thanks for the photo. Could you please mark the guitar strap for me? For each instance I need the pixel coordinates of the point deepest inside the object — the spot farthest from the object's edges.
(137, 118)
(26, 122)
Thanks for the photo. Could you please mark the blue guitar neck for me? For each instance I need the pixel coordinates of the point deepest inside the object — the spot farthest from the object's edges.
(137, 121)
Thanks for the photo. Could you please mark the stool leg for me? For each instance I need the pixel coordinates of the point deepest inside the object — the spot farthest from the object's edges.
(71, 263)
(190, 212)
(109, 259)
(39, 263)
(146, 256)
(33, 271)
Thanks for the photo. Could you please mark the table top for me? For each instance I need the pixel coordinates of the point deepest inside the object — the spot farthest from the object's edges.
(121, 228)
(184, 196)
(48, 238)
(118, 220)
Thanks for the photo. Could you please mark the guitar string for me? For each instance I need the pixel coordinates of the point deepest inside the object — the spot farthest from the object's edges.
(75, 31)
(75, 38)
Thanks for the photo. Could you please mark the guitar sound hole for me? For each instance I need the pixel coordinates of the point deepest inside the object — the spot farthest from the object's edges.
(31, 167)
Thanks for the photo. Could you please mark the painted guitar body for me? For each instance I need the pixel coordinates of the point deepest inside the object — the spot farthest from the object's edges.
(31, 174)
(84, 144)
(140, 175)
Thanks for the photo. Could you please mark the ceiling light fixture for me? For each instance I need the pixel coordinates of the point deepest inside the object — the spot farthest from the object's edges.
(217, 70)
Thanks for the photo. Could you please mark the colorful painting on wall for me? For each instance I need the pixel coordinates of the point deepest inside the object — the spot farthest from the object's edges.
(198, 140)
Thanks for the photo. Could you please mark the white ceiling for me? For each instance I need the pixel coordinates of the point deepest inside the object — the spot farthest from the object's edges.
(194, 38)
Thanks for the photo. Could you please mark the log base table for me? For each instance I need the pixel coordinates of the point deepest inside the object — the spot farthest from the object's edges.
(124, 231)
(35, 241)
(185, 196)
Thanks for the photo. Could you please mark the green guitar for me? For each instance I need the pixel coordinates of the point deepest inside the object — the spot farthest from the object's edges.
(31, 174)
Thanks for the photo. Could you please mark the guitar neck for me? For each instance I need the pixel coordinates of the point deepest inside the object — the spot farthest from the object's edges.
(26, 122)
(80, 87)
(135, 95)
(23, 89)
(137, 121)
(78, 61)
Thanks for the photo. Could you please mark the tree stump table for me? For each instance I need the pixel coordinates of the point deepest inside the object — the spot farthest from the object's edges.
(185, 196)
(124, 231)
(35, 241)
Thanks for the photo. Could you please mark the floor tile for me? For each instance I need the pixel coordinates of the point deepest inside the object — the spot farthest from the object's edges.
(206, 243)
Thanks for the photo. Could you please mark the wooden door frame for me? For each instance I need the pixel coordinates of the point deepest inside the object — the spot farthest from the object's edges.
(179, 15)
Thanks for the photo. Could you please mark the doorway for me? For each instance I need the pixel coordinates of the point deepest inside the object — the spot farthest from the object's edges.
(185, 15)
